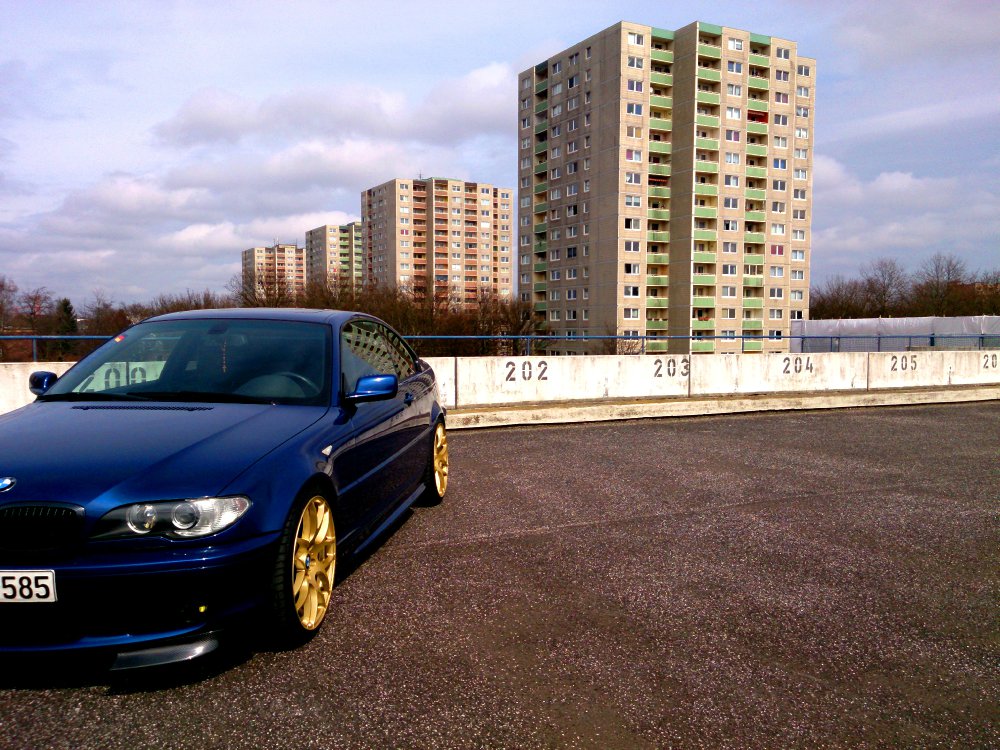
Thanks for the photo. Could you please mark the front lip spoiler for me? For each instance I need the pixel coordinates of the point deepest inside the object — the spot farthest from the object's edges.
(172, 653)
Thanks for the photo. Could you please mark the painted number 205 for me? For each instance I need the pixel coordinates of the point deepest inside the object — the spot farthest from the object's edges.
(670, 365)
(902, 363)
(527, 371)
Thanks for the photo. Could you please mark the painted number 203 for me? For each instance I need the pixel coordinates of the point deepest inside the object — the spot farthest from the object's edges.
(528, 371)
(670, 366)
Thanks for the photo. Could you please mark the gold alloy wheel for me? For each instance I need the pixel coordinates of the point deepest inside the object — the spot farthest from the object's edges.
(440, 459)
(314, 563)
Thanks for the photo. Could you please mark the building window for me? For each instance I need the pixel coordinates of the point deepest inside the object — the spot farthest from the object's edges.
(799, 194)
(728, 269)
(781, 119)
(635, 62)
(732, 158)
(777, 249)
(633, 200)
(733, 113)
(631, 291)
(636, 39)
(781, 75)
(633, 154)
(729, 292)
(777, 207)
(631, 269)
(780, 163)
(798, 254)
(733, 135)
(782, 53)
(734, 89)
(778, 185)
(802, 111)
(573, 81)
(798, 234)
(775, 313)
(777, 272)
(556, 67)
(730, 202)
(797, 295)
(634, 85)
(633, 108)
(730, 225)
(802, 70)
(631, 313)
(734, 67)
(730, 247)
(780, 141)
(776, 292)
(798, 275)
(631, 246)
(802, 91)
(736, 44)
(633, 178)
(802, 133)
(778, 229)
(780, 97)
(633, 223)
(633, 131)
(732, 180)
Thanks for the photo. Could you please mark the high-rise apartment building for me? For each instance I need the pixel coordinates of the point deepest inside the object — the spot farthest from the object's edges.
(449, 238)
(335, 255)
(665, 187)
(276, 267)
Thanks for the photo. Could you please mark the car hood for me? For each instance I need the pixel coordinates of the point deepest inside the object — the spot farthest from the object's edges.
(78, 452)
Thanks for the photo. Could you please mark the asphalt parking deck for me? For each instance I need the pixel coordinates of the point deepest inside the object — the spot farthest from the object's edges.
(801, 579)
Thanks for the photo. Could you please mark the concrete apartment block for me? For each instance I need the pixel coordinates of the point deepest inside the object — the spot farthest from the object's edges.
(265, 267)
(665, 187)
(335, 255)
(439, 236)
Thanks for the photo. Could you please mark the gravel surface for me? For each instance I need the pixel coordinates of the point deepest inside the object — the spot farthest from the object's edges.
(804, 579)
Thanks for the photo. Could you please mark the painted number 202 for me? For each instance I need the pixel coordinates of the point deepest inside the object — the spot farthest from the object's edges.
(527, 371)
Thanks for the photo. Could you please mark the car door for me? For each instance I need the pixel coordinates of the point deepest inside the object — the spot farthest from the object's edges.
(374, 470)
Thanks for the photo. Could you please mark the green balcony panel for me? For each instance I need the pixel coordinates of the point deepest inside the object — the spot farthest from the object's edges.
(542, 167)
(708, 97)
(702, 347)
(702, 325)
(703, 279)
(660, 147)
(703, 257)
(662, 55)
(541, 148)
(666, 34)
(660, 169)
(757, 127)
(707, 50)
(757, 104)
(709, 29)
(660, 123)
(539, 286)
(756, 172)
(657, 346)
(755, 216)
(708, 144)
(541, 228)
(541, 107)
(705, 166)
(657, 325)
(709, 74)
(709, 121)
(540, 208)
(658, 213)
(657, 281)
(541, 187)
(659, 192)
(761, 39)
(658, 236)
(755, 150)
(753, 258)
(541, 127)
(657, 302)
(755, 195)
(541, 86)
(705, 189)
(753, 237)
(541, 247)
(540, 307)
(703, 302)
(705, 234)
(762, 60)
(705, 212)
(753, 281)
(756, 82)
(661, 101)
(658, 258)
(753, 346)
(541, 267)
(754, 303)
(753, 325)
(664, 79)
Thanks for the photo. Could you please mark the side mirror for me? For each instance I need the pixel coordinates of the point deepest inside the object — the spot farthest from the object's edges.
(374, 388)
(39, 382)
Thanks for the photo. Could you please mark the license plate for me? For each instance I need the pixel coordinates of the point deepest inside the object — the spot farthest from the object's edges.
(19, 586)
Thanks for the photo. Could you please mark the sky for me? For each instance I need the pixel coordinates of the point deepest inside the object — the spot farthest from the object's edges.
(144, 145)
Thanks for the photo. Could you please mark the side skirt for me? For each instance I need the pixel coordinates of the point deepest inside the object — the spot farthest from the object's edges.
(391, 518)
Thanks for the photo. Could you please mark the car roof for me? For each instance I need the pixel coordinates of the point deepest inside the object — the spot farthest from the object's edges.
(331, 317)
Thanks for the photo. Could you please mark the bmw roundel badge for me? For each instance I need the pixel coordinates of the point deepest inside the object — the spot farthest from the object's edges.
(6, 483)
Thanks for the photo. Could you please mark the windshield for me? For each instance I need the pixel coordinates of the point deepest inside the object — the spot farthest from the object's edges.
(224, 360)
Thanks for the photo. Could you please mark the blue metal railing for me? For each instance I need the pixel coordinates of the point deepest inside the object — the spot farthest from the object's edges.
(531, 343)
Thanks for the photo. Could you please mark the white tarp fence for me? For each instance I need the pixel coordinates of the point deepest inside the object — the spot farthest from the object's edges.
(896, 334)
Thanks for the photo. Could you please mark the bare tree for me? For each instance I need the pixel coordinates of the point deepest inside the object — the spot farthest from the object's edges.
(937, 290)
(276, 292)
(8, 297)
(837, 298)
(885, 285)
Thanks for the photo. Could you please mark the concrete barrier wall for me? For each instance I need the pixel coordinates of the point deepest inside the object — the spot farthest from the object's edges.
(500, 381)
(14, 391)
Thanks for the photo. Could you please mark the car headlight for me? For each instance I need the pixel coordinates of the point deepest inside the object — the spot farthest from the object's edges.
(182, 519)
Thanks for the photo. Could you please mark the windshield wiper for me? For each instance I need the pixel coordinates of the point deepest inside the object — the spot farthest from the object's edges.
(203, 397)
(91, 396)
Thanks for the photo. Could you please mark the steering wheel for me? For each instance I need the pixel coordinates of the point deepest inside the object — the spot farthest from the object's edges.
(308, 387)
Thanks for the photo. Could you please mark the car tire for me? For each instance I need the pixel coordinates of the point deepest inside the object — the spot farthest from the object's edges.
(436, 473)
(304, 571)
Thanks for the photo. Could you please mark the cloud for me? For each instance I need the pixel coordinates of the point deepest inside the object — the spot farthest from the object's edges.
(480, 102)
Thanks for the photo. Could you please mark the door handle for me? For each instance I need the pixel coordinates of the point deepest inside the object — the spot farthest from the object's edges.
(407, 398)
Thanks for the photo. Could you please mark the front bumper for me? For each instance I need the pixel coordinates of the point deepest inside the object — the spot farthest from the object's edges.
(152, 602)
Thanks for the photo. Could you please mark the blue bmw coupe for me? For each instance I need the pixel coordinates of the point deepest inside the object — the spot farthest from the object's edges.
(205, 466)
